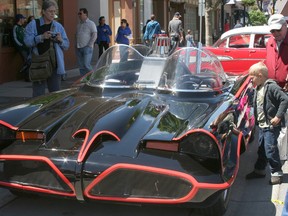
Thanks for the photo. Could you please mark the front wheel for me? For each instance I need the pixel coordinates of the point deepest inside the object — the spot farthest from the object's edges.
(219, 207)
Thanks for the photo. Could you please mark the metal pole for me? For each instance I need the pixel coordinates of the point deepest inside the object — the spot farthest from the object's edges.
(201, 13)
(222, 17)
(200, 34)
(244, 16)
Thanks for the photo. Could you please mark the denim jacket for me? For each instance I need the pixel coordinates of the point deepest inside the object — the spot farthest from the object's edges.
(31, 39)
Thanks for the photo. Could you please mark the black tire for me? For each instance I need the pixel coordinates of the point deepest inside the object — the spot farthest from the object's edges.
(219, 207)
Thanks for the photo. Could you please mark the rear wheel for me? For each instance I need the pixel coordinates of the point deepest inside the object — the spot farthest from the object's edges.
(219, 207)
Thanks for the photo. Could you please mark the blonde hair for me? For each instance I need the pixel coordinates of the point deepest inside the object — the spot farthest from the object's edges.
(259, 68)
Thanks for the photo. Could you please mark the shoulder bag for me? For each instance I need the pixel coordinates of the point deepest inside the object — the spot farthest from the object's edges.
(42, 66)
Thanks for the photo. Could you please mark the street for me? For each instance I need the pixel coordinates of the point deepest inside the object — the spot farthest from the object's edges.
(247, 198)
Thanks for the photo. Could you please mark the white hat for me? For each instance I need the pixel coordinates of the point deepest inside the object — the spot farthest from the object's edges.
(276, 21)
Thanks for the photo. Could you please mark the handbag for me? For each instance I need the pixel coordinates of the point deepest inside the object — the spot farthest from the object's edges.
(42, 66)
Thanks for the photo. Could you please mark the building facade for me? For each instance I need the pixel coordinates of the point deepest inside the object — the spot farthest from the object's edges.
(135, 11)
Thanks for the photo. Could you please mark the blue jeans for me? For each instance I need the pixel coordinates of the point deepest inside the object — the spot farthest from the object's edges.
(124, 53)
(84, 56)
(53, 84)
(268, 150)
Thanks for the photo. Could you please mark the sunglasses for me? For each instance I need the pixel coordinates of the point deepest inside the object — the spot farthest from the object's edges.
(80, 13)
(275, 30)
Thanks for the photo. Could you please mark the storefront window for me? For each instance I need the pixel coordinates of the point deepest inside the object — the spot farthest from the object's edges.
(6, 8)
(6, 22)
(30, 7)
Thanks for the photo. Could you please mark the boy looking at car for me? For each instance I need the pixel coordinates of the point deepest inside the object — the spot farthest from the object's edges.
(270, 104)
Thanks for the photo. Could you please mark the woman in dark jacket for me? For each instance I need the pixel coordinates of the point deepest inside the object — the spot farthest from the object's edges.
(103, 35)
(122, 37)
(123, 33)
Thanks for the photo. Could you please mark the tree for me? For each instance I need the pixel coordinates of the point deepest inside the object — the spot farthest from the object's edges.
(208, 23)
(209, 8)
(248, 3)
(257, 17)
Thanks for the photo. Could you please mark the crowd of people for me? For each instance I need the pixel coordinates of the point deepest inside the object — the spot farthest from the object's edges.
(32, 39)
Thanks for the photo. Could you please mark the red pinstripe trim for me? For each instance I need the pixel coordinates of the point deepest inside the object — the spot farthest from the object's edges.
(205, 132)
(85, 147)
(37, 189)
(240, 137)
(243, 87)
(196, 185)
(8, 125)
(195, 131)
(84, 143)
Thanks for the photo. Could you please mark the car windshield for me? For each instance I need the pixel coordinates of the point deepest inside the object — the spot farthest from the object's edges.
(187, 69)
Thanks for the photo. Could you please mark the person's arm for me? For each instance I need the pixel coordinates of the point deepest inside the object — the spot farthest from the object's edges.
(109, 32)
(62, 38)
(282, 98)
(15, 36)
(169, 29)
(181, 30)
(158, 29)
(146, 35)
(129, 31)
(31, 37)
(93, 34)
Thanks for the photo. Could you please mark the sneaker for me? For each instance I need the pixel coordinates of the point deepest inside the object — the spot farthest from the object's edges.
(254, 175)
(276, 180)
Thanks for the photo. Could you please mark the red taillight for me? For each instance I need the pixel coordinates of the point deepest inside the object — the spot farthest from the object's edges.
(166, 146)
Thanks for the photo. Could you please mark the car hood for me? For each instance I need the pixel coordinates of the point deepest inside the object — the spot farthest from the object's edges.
(131, 117)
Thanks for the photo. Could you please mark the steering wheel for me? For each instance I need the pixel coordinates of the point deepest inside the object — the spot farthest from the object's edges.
(188, 81)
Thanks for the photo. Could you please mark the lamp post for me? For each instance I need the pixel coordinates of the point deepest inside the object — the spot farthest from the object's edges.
(244, 11)
(231, 2)
(201, 10)
(222, 16)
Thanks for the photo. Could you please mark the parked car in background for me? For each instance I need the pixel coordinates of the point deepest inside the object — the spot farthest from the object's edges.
(239, 48)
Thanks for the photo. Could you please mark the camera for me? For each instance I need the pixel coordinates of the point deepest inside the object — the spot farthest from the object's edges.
(53, 35)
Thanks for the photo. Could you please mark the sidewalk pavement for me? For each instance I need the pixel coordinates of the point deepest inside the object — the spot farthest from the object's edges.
(19, 89)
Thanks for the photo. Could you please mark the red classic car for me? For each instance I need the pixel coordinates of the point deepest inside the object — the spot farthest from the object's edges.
(240, 48)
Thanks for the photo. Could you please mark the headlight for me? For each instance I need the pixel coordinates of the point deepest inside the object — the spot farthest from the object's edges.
(10, 133)
(201, 145)
(6, 133)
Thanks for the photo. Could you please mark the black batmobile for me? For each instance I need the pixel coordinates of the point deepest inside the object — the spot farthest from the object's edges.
(143, 129)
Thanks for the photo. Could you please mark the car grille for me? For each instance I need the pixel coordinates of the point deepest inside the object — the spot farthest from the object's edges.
(143, 184)
(33, 175)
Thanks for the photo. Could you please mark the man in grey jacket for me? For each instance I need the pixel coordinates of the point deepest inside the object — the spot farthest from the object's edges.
(175, 28)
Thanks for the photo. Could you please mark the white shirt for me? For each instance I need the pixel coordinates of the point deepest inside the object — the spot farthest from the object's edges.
(86, 34)
(260, 108)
